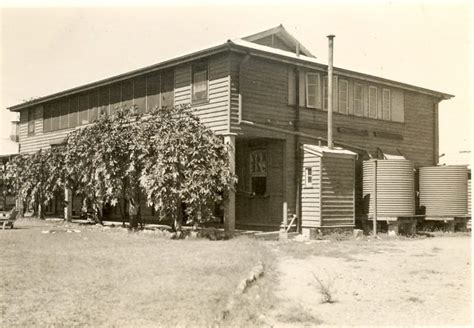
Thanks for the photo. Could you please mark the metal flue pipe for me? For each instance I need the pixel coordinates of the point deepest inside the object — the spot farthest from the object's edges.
(330, 89)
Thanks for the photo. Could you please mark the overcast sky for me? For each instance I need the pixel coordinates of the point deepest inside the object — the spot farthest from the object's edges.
(427, 44)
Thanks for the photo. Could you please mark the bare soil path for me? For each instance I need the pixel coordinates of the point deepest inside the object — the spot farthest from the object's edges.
(381, 282)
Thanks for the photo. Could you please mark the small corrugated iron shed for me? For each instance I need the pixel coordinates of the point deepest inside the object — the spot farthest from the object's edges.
(328, 188)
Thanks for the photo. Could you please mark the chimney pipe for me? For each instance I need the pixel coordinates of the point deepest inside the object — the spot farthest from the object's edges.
(330, 89)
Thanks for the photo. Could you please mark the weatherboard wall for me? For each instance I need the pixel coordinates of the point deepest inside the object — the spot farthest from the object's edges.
(263, 86)
(145, 92)
(311, 194)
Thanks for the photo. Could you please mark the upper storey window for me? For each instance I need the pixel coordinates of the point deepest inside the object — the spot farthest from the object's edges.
(372, 102)
(326, 94)
(358, 99)
(343, 96)
(31, 120)
(350, 96)
(200, 81)
(313, 90)
(386, 104)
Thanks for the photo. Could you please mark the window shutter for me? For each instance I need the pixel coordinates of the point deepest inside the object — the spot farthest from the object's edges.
(313, 90)
(93, 105)
(343, 96)
(200, 83)
(47, 118)
(104, 101)
(398, 105)
(291, 86)
(302, 89)
(54, 116)
(358, 100)
(386, 104)
(73, 112)
(325, 93)
(31, 120)
(63, 106)
(372, 102)
(83, 109)
(152, 86)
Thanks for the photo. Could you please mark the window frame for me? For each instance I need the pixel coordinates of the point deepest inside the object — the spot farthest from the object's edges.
(325, 93)
(308, 173)
(82, 110)
(317, 104)
(339, 107)
(389, 104)
(46, 118)
(262, 174)
(167, 76)
(374, 114)
(194, 70)
(292, 80)
(359, 85)
(31, 121)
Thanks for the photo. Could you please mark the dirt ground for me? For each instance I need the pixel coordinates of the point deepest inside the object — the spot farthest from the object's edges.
(378, 282)
(102, 276)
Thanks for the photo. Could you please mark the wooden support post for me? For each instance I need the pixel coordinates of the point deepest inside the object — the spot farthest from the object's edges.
(20, 207)
(283, 235)
(67, 204)
(450, 226)
(229, 210)
(392, 228)
(375, 200)
(412, 230)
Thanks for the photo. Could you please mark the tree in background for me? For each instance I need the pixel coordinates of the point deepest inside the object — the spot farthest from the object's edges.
(36, 178)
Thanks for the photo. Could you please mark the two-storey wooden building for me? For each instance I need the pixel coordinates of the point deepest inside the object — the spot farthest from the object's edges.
(266, 95)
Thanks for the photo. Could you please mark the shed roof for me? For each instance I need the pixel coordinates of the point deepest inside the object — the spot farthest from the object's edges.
(244, 45)
(326, 151)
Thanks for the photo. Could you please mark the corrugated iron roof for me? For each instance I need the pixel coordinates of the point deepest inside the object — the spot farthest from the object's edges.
(235, 45)
(323, 150)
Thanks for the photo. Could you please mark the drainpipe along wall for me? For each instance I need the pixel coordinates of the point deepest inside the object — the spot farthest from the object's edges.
(297, 150)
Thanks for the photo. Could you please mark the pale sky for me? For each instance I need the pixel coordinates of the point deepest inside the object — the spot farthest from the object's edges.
(428, 44)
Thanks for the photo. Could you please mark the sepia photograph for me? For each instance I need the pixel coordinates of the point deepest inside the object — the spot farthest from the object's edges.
(236, 163)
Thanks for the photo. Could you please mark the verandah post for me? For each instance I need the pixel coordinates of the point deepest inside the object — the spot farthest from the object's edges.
(229, 209)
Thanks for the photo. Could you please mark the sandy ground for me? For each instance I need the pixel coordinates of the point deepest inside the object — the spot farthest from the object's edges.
(401, 282)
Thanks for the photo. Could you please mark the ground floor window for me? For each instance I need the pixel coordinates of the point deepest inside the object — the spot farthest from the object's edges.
(308, 177)
(258, 172)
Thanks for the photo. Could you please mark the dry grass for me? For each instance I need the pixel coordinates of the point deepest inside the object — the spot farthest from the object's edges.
(97, 278)
(297, 315)
(326, 289)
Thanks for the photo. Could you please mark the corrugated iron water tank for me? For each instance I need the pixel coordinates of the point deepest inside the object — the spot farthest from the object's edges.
(395, 187)
(469, 199)
(443, 190)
